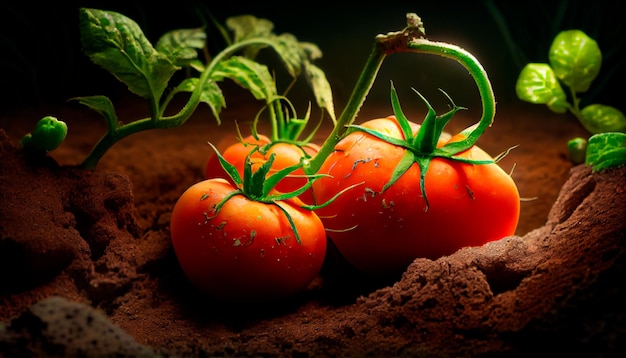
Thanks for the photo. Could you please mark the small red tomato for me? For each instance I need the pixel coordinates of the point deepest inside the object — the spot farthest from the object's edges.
(248, 250)
(384, 231)
(287, 155)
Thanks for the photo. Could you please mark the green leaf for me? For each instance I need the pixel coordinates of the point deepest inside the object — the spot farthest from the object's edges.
(537, 83)
(211, 94)
(289, 51)
(606, 150)
(321, 88)
(245, 27)
(311, 50)
(117, 43)
(599, 118)
(181, 46)
(248, 26)
(248, 74)
(287, 47)
(576, 59)
(102, 105)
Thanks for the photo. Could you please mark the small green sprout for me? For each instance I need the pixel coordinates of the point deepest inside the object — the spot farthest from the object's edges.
(575, 61)
(47, 135)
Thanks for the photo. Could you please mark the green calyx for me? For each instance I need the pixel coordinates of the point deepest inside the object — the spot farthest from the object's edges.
(421, 148)
(285, 124)
(47, 135)
(257, 185)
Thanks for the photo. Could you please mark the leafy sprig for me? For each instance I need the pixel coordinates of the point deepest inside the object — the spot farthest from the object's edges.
(117, 44)
(575, 60)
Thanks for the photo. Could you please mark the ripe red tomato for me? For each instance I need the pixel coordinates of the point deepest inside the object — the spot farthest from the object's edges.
(248, 250)
(286, 155)
(469, 204)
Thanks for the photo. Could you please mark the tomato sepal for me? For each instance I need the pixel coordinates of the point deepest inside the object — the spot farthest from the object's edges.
(258, 186)
(421, 148)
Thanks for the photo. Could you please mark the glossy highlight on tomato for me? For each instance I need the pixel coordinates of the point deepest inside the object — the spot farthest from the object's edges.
(248, 249)
(383, 232)
(287, 155)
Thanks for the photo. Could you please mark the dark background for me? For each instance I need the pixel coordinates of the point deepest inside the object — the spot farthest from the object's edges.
(42, 61)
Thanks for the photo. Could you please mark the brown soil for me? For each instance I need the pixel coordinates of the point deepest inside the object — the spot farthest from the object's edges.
(87, 268)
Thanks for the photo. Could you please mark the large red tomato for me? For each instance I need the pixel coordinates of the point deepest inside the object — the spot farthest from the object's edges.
(383, 232)
(248, 250)
(287, 155)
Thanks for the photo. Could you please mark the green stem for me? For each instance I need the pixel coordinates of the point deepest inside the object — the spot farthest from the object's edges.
(481, 79)
(575, 107)
(186, 112)
(357, 98)
(273, 108)
(411, 39)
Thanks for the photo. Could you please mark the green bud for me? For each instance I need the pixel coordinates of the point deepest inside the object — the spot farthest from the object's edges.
(598, 118)
(48, 134)
(577, 149)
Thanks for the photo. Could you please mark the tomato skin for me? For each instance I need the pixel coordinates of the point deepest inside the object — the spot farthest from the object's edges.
(469, 205)
(286, 155)
(248, 251)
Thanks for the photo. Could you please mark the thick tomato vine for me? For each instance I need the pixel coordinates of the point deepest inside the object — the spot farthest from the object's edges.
(416, 201)
(247, 242)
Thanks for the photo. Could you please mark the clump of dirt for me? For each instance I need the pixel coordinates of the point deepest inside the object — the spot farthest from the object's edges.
(89, 243)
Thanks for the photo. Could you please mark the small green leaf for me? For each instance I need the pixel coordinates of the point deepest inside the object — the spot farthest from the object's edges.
(288, 48)
(248, 74)
(606, 150)
(599, 118)
(102, 105)
(537, 83)
(117, 43)
(576, 59)
(211, 94)
(248, 26)
(245, 27)
(321, 88)
(311, 50)
(181, 46)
